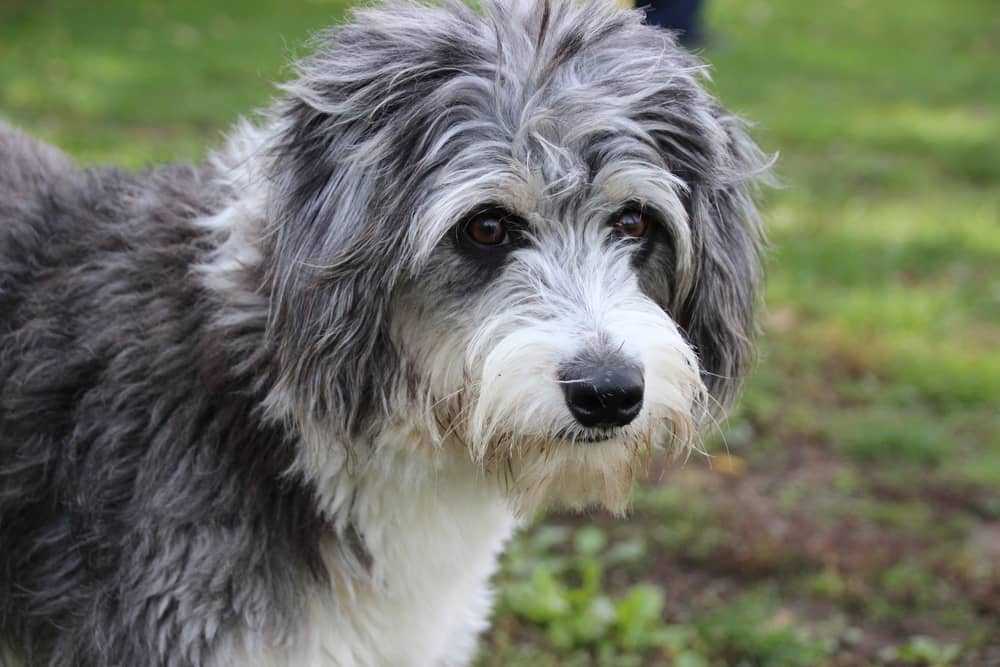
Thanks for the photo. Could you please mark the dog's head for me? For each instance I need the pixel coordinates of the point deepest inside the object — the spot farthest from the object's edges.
(528, 225)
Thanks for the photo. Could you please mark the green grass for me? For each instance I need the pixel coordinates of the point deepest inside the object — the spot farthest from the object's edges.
(851, 513)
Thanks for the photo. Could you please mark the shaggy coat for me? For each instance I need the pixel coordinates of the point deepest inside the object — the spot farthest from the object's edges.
(276, 410)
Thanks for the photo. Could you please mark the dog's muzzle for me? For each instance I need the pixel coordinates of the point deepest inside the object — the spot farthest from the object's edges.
(603, 394)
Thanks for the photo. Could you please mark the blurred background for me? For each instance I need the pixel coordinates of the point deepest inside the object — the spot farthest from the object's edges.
(850, 511)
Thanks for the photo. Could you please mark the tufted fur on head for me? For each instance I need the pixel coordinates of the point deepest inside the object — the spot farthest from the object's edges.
(285, 409)
(410, 118)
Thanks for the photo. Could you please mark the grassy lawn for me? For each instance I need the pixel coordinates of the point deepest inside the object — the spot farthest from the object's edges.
(850, 513)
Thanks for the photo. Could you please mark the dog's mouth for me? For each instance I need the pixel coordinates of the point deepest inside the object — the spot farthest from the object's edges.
(589, 436)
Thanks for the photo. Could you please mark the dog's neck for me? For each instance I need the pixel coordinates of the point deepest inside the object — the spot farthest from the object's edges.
(433, 528)
(413, 502)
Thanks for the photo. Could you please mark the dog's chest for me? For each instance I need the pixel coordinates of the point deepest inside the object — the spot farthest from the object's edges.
(433, 548)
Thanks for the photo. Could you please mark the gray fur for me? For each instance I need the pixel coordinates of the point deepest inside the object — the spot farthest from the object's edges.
(145, 509)
(142, 510)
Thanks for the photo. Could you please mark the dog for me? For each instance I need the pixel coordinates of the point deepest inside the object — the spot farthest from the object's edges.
(287, 407)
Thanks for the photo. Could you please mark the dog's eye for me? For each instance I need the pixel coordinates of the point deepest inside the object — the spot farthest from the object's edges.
(487, 230)
(631, 223)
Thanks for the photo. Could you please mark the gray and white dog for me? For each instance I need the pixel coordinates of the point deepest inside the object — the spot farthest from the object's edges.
(285, 408)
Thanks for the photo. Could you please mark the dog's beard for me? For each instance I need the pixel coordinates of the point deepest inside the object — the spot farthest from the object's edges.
(575, 475)
(564, 470)
(511, 418)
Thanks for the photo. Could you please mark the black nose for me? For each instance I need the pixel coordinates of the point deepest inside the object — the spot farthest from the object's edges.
(603, 395)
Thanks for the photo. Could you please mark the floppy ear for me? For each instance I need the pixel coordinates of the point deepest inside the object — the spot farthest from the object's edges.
(717, 314)
(339, 196)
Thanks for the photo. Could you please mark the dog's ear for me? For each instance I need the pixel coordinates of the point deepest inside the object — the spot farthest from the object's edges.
(342, 183)
(711, 152)
(717, 313)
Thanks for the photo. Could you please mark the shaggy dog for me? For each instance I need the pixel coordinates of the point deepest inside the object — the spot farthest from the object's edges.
(286, 408)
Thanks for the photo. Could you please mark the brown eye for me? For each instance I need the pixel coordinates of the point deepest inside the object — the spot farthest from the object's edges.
(487, 230)
(632, 224)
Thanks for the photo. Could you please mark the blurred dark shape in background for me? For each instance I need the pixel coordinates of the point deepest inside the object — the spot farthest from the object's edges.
(683, 16)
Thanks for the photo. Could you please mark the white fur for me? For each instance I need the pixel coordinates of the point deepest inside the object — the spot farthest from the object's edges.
(434, 528)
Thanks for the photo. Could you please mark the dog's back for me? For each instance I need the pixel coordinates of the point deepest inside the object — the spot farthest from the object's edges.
(28, 168)
(28, 171)
(83, 251)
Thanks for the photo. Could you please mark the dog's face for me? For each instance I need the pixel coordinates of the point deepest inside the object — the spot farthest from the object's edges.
(529, 228)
